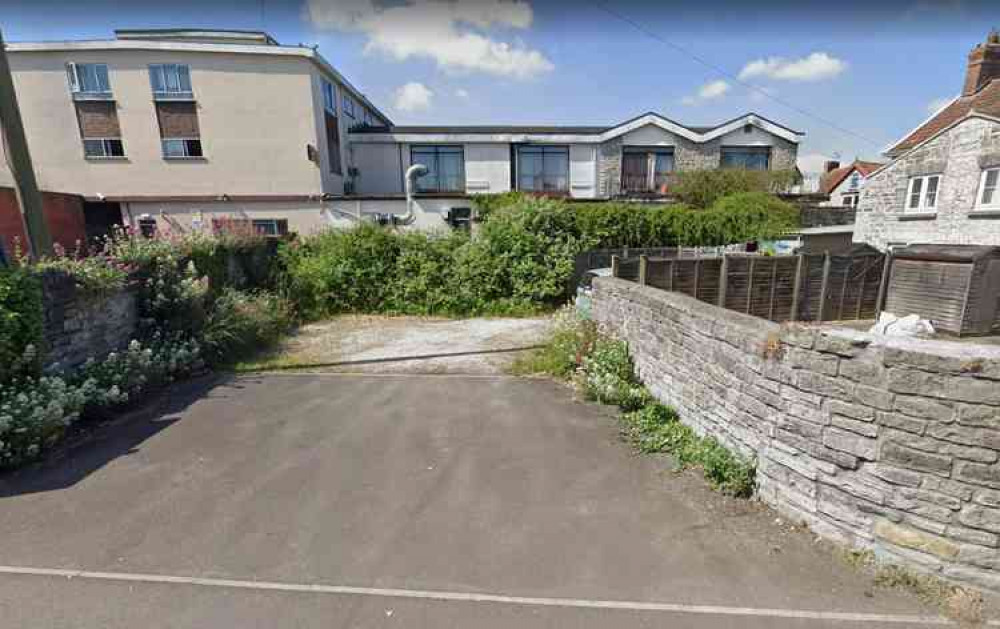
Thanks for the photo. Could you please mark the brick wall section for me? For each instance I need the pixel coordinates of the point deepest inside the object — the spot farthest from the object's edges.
(959, 155)
(80, 326)
(887, 444)
(63, 215)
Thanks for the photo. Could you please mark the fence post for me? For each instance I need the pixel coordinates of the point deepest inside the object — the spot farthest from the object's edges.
(797, 289)
(883, 284)
(723, 280)
(774, 287)
(824, 285)
(750, 283)
(670, 284)
(614, 266)
(697, 276)
(643, 261)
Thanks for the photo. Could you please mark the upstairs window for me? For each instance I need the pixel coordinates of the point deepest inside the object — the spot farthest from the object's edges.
(88, 80)
(989, 195)
(922, 193)
(445, 166)
(746, 157)
(170, 81)
(348, 106)
(99, 129)
(369, 118)
(543, 169)
(855, 182)
(329, 97)
(180, 134)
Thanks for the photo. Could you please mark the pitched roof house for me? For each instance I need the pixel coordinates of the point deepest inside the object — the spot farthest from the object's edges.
(844, 184)
(942, 183)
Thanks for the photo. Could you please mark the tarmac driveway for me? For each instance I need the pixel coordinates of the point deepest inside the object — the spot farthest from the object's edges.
(409, 501)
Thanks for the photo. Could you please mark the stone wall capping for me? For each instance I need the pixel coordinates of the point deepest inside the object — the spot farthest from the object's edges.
(874, 442)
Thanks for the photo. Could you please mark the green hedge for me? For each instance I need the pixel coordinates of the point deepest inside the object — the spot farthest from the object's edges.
(520, 261)
(21, 322)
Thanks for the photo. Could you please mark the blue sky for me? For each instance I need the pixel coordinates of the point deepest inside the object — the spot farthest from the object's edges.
(874, 71)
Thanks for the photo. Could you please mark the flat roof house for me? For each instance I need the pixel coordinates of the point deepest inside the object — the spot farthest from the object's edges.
(943, 183)
(634, 158)
(189, 123)
(180, 127)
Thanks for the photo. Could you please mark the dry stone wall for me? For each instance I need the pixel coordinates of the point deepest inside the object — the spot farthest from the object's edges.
(79, 326)
(883, 444)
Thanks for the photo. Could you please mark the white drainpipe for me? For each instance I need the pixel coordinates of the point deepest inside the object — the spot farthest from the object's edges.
(414, 171)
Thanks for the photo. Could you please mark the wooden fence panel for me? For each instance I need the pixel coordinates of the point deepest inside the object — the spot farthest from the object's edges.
(829, 288)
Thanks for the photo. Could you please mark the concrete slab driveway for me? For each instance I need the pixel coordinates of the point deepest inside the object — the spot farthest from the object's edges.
(399, 501)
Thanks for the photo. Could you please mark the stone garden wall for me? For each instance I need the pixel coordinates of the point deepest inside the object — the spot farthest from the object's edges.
(884, 444)
(79, 326)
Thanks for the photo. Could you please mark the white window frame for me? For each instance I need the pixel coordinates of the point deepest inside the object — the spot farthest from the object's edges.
(73, 75)
(187, 154)
(168, 94)
(922, 207)
(329, 97)
(105, 148)
(994, 203)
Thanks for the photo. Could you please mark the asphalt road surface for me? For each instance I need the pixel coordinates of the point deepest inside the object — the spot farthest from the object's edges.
(400, 501)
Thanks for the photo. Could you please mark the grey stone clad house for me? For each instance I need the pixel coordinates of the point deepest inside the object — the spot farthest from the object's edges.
(943, 183)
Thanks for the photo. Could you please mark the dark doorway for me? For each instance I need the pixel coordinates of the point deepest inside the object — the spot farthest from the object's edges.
(100, 218)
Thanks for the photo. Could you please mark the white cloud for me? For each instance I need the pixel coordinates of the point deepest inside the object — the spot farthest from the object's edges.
(412, 97)
(938, 104)
(448, 32)
(708, 91)
(462, 93)
(815, 67)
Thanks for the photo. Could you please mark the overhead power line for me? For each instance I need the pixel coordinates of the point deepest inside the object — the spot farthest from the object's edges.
(732, 77)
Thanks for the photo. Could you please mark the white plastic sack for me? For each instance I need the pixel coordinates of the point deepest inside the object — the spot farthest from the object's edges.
(889, 324)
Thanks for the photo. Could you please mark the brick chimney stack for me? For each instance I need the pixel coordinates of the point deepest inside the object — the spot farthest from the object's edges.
(984, 64)
(830, 165)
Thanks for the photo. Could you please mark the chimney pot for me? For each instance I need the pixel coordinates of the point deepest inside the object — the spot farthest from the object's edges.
(984, 64)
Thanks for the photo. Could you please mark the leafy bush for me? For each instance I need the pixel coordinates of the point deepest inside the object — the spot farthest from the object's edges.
(702, 188)
(95, 275)
(21, 322)
(241, 323)
(35, 412)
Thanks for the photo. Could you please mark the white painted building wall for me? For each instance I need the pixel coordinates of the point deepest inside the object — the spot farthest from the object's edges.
(487, 168)
(583, 171)
(740, 137)
(649, 135)
(380, 168)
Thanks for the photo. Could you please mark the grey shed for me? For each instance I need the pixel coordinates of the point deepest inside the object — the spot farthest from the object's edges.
(956, 287)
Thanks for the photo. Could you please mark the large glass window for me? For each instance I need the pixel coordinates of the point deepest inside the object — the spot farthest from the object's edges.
(746, 157)
(543, 168)
(88, 79)
(445, 165)
(646, 170)
(170, 80)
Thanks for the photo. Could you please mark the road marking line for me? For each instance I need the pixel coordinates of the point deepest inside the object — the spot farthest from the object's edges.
(476, 597)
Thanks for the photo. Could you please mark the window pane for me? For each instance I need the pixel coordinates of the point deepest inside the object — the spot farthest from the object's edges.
(184, 78)
(170, 78)
(915, 187)
(664, 163)
(114, 148)
(193, 148)
(450, 175)
(530, 169)
(930, 200)
(101, 72)
(93, 148)
(156, 78)
(556, 169)
(990, 186)
(173, 148)
(266, 227)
